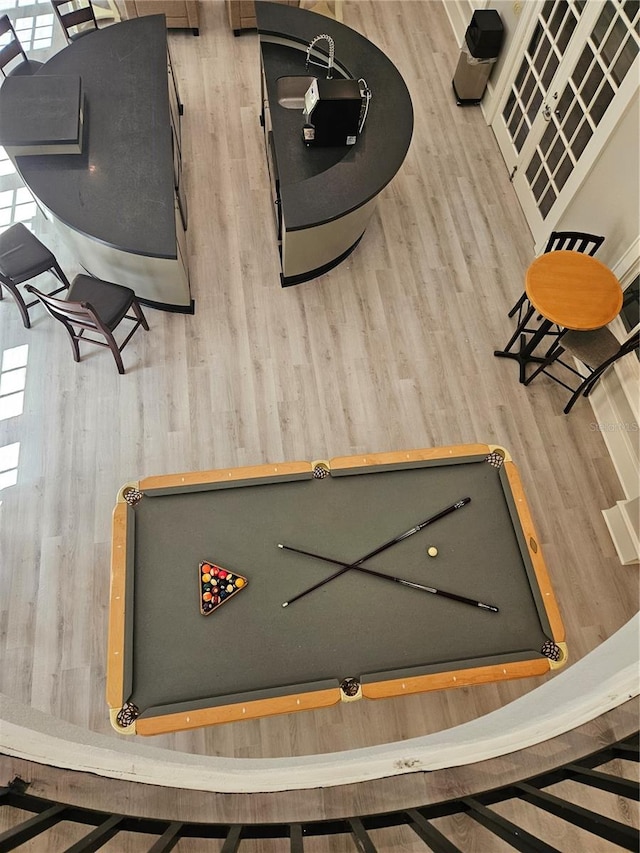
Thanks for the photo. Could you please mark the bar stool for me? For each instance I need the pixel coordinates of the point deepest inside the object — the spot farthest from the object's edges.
(13, 50)
(95, 306)
(75, 17)
(23, 257)
(597, 350)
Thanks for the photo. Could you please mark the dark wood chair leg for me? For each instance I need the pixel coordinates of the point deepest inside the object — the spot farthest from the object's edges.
(137, 310)
(74, 346)
(22, 306)
(73, 339)
(113, 346)
(56, 269)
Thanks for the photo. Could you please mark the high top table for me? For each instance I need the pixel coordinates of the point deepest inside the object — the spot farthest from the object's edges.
(568, 289)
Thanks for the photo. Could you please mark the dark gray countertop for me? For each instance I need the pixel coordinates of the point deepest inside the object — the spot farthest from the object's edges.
(39, 110)
(319, 185)
(119, 191)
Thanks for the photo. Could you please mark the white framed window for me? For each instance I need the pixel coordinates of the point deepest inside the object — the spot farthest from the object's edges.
(13, 377)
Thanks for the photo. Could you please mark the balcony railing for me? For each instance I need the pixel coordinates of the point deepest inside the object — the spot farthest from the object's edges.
(480, 807)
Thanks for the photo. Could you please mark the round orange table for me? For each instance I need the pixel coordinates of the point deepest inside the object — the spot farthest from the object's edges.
(570, 290)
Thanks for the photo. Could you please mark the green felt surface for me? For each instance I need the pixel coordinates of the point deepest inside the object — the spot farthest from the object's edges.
(353, 626)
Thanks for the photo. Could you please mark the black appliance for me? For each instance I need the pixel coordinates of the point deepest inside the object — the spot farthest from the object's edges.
(332, 112)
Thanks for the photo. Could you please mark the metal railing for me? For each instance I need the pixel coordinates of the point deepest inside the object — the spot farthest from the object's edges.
(105, 826)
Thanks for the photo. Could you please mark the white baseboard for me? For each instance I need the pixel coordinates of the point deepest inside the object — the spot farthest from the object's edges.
(620, 519)
(615, 407)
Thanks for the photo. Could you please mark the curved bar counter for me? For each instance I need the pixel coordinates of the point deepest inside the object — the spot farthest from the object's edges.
(326, 196)
(116, 204)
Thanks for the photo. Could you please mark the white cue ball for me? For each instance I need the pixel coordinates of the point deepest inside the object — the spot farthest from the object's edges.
(432, 552)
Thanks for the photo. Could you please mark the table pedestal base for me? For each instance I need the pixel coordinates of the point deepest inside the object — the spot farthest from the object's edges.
(522, 356)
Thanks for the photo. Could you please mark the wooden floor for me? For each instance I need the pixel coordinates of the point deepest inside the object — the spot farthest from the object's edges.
(392, 350)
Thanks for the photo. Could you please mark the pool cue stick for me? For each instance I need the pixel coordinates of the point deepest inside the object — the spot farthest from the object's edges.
(394, 541)
(461, 598)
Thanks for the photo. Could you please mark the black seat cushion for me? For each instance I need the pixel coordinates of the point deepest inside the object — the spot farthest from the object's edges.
(23, 256)
(26, 68)
(110, 301)
(75, 36)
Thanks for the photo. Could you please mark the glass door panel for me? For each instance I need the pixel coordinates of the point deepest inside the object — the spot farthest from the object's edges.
(575, 62)
(551, 35)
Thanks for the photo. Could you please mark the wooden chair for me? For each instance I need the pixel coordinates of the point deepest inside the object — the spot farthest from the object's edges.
(576, 241)
(23, 257)
(77, 17)
(597, 350)
(95, 306)
(13, 59)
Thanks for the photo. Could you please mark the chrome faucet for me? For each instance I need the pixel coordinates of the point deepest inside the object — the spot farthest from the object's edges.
(332, 50)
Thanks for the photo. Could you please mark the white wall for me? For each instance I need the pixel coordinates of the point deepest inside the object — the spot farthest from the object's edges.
(459, 13)
(608, 200)
(510, 13)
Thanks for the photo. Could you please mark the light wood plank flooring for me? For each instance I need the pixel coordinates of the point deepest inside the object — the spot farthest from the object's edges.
(393, 349)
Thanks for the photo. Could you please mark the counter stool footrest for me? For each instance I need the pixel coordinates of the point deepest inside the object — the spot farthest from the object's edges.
(555, 332)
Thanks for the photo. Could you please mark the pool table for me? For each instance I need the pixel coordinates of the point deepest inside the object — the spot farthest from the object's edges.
(176, 663)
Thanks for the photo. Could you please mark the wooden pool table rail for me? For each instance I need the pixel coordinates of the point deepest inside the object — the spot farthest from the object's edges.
(198, 478)
(423, 454)
(393, 687)
(539, 566)
(117, 597)
(252, 710)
